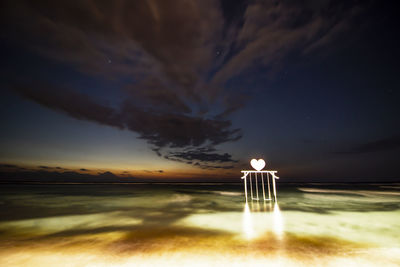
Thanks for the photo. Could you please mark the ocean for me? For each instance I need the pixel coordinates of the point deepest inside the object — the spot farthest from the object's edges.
(199, 224)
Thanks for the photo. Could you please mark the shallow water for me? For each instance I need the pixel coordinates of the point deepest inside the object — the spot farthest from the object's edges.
(199, 225)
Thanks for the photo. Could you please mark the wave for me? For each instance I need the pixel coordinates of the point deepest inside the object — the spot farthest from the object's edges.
(227, 193)
(341, 191)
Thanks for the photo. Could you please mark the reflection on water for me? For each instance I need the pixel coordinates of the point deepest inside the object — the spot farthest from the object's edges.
(268, 221)
(247, 223)
(278, 221)
(198, 225)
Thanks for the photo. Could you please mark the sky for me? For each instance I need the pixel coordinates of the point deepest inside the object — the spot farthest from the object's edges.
(185, 90)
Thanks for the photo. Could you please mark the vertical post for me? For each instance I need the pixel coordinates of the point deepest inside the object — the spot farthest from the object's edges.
(251, 187)
(269, 188)
(256, 185)
(245, 186)
(273, 182)
(262, 180)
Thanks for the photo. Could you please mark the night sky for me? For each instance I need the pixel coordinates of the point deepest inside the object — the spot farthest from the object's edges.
(125, 91)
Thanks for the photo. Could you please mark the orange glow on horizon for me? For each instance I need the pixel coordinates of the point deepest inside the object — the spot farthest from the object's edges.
(179, 171)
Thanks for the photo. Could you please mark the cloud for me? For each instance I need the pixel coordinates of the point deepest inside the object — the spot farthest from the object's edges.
(152, 93)
(196, 155)
(389, 143)
(157, 171)
(174, 40)
(272, 30)
(160, 128)
(107, 175)
(74, 104)
(44, 167)
(175, 60)
(178, 130)
(203, 157)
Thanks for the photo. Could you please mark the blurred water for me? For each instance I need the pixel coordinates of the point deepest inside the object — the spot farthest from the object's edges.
(167, 224)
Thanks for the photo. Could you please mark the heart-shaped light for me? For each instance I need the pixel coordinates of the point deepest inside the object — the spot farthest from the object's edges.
(257, 164)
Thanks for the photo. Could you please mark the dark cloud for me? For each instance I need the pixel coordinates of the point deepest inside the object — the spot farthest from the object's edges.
(175, 58)
(107, 175)
(83, 169)
(389, 143)
(152, 93)
(158, 171)
(161, 129)
(177, 130)
(60, 168)
(44, 167)
(74, 104)
(273, 30)
(204, 157)
(174, 40)
(211, 167)
(194, 155)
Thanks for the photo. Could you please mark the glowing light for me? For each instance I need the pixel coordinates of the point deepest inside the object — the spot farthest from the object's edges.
(248, 228)
(278, 221)
(257, 164)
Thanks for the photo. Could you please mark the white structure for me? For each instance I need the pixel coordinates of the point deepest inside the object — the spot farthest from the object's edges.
(253, 176)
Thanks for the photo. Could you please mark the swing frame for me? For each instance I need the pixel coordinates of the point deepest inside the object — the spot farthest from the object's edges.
(270, 175)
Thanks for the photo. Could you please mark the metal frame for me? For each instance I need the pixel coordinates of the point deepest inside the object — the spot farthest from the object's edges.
(270, 175)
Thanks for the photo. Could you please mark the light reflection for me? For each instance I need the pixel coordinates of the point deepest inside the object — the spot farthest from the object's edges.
(257, 206)
(213, 237)
(248, 228)
(252, 229)
(278, 221)
(267, 206)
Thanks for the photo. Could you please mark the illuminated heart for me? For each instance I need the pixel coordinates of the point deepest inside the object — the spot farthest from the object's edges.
(257, 164)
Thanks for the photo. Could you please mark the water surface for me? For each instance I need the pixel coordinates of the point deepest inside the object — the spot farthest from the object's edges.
(199, 225)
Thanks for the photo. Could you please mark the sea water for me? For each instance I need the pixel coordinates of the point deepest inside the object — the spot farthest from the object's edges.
(199, 224)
